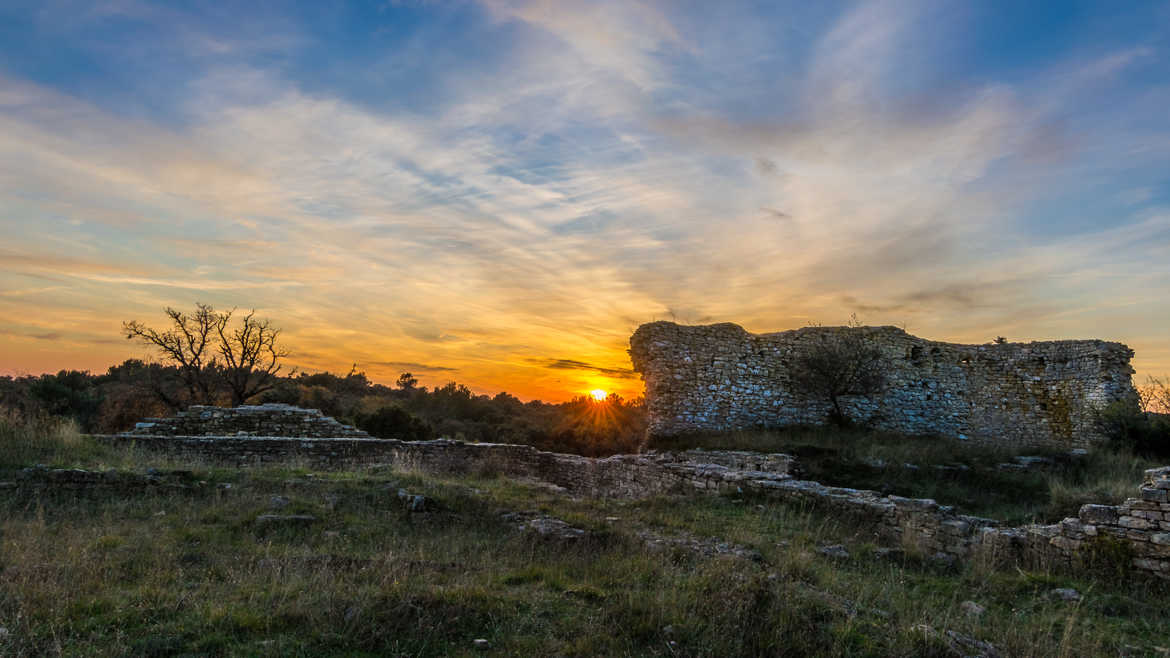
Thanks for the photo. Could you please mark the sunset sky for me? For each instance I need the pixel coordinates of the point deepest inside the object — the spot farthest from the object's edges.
(499, 193)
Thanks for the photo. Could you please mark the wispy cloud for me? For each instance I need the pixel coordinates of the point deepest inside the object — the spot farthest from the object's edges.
(610, 164)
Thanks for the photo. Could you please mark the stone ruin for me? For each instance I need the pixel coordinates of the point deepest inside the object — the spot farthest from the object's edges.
(275, 420)
(249, 436)
(719, 377)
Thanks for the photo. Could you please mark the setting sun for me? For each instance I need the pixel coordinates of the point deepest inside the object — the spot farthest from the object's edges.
(598, 394)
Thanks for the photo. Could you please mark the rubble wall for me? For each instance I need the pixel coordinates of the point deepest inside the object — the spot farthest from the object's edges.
(722, 378)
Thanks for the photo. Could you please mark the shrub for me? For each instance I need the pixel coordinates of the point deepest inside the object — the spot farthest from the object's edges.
(838, 362)
(1129, 427)
(393, 422)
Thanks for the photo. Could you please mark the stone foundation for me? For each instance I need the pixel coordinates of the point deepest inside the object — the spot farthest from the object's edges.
(719, 378)
(248, 420)
(1141, 526)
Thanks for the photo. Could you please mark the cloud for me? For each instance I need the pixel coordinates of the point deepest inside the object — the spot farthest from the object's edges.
(623, 162)
(571, 364)
(409, 366)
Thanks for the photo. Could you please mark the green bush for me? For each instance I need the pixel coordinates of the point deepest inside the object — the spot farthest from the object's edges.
(1132, 429)
(394, 422)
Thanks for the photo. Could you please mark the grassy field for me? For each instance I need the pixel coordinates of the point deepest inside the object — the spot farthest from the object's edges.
(196, 571)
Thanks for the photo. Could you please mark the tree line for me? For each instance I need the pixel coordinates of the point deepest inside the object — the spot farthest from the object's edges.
(225, 358)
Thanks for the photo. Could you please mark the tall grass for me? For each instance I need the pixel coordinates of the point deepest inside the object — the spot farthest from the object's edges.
(28, 440)
(193, 573)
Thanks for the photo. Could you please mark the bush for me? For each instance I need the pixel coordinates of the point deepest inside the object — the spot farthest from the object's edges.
(1131, 428)
(393, 422)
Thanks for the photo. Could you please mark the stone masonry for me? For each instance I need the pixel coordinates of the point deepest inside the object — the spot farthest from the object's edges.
(249, 420)
(1139, 526)
(720, 377)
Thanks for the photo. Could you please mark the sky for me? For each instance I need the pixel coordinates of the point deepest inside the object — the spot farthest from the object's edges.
(498, 193)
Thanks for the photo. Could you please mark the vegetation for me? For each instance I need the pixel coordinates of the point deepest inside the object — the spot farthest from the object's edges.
(205, 350)
(977, 480)
(1141, 424)
(126, 393)
(192, 571)
(837, 362)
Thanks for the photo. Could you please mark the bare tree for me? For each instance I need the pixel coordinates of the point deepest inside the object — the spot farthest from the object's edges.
(251, 358)
(840, 361)
(187, 344)
(206, 350)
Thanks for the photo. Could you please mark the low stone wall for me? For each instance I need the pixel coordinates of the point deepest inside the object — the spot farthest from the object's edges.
(248, 420)
(1139, 527)
(626, 476)
(719, 377)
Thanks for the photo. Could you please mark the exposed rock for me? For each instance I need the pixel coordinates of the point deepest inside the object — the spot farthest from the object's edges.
(835, 551)
(1065, 594)
(706, 546)
(551, 528)
(285, 519)
(972, 609)
(247, 421)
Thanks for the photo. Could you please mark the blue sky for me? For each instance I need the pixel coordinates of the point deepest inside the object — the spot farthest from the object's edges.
(489, 191)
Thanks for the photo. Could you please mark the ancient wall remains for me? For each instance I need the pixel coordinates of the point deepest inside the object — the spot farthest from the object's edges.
(720, 377)
(1137, 530)
(624, 476)
(1139, 526)
(248, 420)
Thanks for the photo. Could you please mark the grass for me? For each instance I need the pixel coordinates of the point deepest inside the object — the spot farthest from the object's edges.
(192, 573)
(946, 470)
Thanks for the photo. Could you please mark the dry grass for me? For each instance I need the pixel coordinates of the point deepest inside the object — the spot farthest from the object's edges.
(193, 573)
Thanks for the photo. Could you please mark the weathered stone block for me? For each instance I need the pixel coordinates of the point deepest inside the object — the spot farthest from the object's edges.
(1098, 514)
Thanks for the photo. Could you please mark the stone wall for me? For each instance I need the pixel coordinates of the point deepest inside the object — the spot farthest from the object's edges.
(249, 420)
(1139, 527)
(720, 377)
(625, 476)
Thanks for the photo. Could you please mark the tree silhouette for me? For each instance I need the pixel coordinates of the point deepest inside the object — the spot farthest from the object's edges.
(840, 361)
(206, 350)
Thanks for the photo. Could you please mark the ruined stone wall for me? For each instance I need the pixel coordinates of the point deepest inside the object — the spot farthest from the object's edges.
(248, 420)
(1140, 527)
(625, 476)
(720, 377)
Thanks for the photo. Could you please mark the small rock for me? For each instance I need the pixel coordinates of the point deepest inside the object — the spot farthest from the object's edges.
(835, 551)
(668, 630)
(1066, 594)
(292, 519)
(224, 485)
(547, 526)
(160, 513)
(942, 560)
(481, 643)
(278, 502)
(972, 609)
(883, 553)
